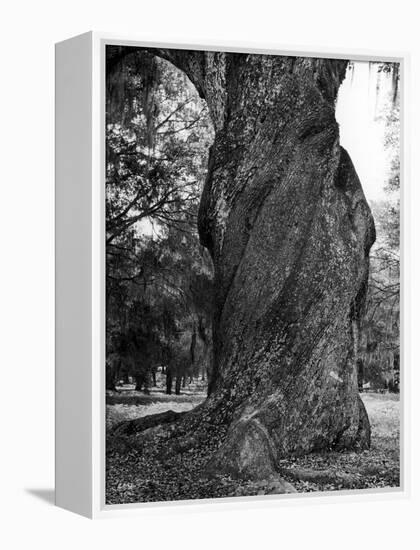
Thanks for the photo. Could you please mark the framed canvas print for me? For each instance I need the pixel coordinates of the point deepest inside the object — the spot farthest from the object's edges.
(228, 274)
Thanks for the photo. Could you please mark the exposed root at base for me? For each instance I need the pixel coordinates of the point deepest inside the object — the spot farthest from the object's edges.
(138, 425)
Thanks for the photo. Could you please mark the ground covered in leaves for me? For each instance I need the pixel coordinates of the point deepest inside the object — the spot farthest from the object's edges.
(136, 473)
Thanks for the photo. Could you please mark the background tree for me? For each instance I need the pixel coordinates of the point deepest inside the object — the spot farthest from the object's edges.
(158, 134)
(381, 327)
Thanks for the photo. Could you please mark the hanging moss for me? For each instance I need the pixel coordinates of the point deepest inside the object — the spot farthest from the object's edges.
(392, 70)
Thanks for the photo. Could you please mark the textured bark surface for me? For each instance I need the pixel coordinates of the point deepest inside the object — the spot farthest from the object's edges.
(285, 219)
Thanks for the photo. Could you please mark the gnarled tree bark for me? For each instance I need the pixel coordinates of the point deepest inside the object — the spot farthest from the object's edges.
(285, 219)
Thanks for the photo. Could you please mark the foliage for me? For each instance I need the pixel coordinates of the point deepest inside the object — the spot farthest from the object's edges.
(158, 135)
(381, 326)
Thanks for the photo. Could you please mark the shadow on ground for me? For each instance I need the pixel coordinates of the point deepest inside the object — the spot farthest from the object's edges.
(47, 495)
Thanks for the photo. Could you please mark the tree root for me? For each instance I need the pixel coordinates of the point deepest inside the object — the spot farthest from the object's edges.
(131, 427)
(321, 476)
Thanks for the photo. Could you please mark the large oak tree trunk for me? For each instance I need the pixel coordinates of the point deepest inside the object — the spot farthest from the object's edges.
(287, 224)
(285, 219)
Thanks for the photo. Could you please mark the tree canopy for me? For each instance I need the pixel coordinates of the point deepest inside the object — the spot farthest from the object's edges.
(158, 275)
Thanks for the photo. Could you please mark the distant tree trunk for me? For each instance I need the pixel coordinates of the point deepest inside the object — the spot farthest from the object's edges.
(113, 374)
(207, 351)
(110, 379)
(178, 381)
(168, 381)
(154, 377)
(140, 380)
(360, 374)
(285, 219)
(184, 381)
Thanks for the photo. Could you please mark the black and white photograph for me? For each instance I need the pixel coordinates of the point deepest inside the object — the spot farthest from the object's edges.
(252, 274)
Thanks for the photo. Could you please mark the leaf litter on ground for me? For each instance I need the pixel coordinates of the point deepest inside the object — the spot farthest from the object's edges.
(134, 472)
